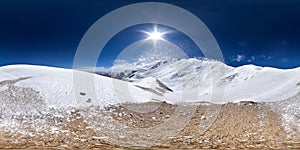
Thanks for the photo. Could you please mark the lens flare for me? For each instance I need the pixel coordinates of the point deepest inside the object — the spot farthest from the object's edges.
(155, 34)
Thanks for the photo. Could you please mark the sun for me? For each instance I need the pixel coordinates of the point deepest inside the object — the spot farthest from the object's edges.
(155, 34)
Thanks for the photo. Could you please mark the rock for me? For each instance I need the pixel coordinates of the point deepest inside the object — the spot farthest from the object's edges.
(82, 93)
(99, 138)
(122, 137)
(89, 100)
(188, 137)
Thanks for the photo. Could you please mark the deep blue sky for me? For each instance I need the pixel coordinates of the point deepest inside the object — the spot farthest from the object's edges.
(47, 32)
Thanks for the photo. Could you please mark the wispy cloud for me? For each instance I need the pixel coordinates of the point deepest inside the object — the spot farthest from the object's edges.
(284, 60)
(265, 57)
(249, 59)
(239, 58)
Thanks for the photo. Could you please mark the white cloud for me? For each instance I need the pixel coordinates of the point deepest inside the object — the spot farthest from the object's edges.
(239, 58)
(284, 60)
(262, 56)
(252, 58)
(265, 57)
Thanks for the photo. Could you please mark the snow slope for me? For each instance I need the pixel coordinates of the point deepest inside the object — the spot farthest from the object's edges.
(185, 80)
(48, 92)
(247, 82)
(56, 87)
(33, 90)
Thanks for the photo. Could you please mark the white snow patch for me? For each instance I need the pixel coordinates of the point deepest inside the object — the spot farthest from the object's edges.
(3, 88)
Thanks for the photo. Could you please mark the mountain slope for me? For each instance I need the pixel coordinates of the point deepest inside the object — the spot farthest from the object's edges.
(185, 80)
(247, 82)
(38, 102)
(57, 90)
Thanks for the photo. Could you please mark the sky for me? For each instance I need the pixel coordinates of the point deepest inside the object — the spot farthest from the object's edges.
(48, 32)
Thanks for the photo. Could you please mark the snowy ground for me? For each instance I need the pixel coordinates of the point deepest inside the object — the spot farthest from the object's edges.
(31, 95)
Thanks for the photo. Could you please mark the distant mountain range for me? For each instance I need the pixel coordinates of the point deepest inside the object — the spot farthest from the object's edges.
(184, 80)
(247, 82)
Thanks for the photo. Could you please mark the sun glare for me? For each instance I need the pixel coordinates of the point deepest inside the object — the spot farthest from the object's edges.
(155, 35)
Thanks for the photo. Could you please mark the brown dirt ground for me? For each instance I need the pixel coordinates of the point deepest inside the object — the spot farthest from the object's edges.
(238, 125)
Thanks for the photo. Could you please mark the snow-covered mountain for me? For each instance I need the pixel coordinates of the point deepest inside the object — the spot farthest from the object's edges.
(185, 80)
(33, 90)
(54, 87)
(247, 82)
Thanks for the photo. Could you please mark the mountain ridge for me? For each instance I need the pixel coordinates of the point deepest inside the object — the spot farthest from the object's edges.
(199, 79)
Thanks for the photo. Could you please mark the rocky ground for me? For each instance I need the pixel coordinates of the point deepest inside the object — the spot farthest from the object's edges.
(236, 125)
